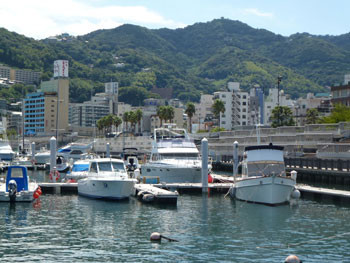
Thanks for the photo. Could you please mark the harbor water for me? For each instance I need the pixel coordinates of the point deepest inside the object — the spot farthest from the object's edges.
(69, 228)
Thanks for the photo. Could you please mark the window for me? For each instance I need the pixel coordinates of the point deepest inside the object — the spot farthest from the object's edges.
(244, 103)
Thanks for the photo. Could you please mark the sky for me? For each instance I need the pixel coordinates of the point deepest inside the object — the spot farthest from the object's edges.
(43, 18)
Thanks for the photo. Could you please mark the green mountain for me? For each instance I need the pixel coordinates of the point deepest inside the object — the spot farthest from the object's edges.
(200, 58)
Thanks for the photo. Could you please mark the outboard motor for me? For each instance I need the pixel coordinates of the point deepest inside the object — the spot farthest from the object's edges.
(12, 188)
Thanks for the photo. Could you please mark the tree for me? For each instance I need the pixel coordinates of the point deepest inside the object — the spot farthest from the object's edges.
(190, 111)
(117, 121)
(282, 116)
(169, 113)
(161, 113)
(218, 107)
(126, 119)
(340, 113)
(139, 114)
(312, 116)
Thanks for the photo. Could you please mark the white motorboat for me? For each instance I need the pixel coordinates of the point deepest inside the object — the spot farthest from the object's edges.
(107, 178)
(174, 158)
(70, 151)
(264, 179)
(17, 187)
(24, 161)
(6, 152)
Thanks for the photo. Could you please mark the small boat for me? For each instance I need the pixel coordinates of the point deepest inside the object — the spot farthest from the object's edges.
(17, 187)
(264, 179)
(131, 162)
(24, 161)
(70, 151)
(107, 178)
(6, 152)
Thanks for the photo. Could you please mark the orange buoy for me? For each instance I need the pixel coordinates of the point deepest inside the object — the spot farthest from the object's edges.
(36, 195)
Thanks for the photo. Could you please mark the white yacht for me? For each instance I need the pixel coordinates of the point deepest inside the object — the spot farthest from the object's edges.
(264, 179)
(6, 152)
(70, 151)
(106, 178)
(174, 158)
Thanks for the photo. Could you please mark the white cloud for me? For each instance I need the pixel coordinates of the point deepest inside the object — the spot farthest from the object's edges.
(40, 19)
(257, 12)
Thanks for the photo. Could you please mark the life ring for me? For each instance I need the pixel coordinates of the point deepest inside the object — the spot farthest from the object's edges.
(55, 174)
(33, 162)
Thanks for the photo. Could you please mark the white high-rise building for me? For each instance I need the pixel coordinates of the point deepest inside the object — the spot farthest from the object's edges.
(236, 106)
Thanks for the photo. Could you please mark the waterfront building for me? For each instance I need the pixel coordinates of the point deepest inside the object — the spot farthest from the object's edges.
(46, 111)
(14, 121)
(311, 101)
(341, 94)
(256, 106)
(236, 106)
(20, 75)
(274, 99)
(204, 111)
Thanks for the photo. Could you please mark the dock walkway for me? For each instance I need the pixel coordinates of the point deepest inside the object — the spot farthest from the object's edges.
(168, 193)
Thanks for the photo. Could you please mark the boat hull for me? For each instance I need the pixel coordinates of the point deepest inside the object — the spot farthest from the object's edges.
(172, 174)
(106, 188)
(22, 196)
(265, 190)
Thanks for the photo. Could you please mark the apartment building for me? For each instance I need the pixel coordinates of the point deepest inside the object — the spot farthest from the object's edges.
(236, 106)
(20, 75)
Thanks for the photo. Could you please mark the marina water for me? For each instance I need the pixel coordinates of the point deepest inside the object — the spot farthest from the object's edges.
(69, 228)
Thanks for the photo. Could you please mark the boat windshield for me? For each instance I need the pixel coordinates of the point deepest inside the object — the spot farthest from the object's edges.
(105, 167)
(110, 166)
(265, 169)
(118, 167)
(179, 156)
(80, 167)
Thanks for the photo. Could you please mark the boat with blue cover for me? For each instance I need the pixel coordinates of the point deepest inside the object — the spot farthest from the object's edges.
(17, 187)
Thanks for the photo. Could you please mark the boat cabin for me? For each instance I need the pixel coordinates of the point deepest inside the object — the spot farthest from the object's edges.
(263, 160)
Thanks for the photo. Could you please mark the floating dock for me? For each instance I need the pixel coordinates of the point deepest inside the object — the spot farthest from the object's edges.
(168, 193)
(152, 194)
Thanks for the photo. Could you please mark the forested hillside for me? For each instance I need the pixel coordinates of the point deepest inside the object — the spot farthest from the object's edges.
(200, 58)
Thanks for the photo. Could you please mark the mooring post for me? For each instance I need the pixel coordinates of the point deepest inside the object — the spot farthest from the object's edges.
(204, 148)
(52, 154)
(33, 150)
(108, 152)
(235, 161)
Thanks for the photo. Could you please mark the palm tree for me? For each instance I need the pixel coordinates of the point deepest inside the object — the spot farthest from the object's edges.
(126, 119)
(169, 113)
(161, 114)
(139, 114)
(190, 111)
(218, 107)
(132, 119)
(117, 121)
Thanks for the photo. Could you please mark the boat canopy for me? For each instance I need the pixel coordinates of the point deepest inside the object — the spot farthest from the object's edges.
(81, 167)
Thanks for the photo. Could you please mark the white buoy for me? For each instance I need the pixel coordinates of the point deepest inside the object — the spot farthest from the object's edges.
(292, 259)
(156, 237)
(204, 148)
(293, 175)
